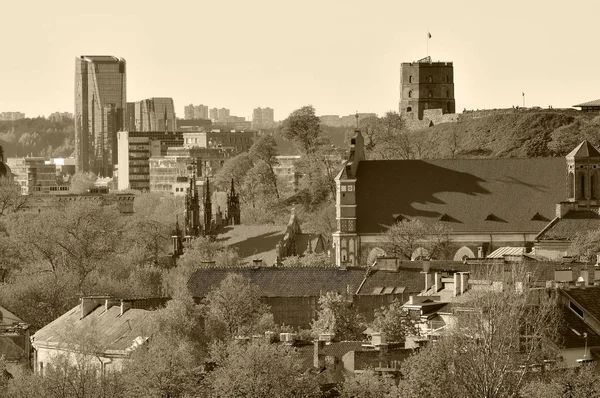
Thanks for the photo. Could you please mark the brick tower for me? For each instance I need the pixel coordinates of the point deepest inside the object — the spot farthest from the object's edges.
(426, 85)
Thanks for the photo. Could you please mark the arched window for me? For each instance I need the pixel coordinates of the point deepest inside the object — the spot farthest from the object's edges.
(462, 253)
(410, 94)
(448, 93)
(410, 79)
(446, 79)
(593, 186)
(582, 186)
(409, 109)
(429, 79)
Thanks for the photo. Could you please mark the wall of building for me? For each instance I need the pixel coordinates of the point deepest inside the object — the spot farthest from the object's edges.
(426, 85)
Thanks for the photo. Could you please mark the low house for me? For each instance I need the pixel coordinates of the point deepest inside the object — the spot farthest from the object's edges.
(108, 328)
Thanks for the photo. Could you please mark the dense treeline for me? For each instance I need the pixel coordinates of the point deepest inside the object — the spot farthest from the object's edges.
(37, 137)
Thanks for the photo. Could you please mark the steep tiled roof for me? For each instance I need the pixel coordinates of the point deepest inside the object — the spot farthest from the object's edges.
(295, 282)
(281, 282)
(589, 103)
(572, 330)
(111, 331)
(584, 150)
(302, 240)
(571, 224)
(253, 241)
(405, 280)
(515, 191)
(588, 299)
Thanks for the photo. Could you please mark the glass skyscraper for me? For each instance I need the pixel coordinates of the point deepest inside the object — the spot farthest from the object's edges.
(100, 111)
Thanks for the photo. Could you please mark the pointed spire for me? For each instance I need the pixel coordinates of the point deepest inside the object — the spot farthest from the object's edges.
(584, 150)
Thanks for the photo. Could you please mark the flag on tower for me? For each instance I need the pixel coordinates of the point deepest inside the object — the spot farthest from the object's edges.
(428, 35)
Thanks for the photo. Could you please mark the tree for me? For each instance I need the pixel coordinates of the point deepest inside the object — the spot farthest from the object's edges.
(404, 237)
(259, 371)
(395, 322)
(260, 185)
(586, 244)
(265, 149)
(367, 385)
(232, 308)
(302, 127)
(82, 181)
(11, 199)
(78, 238)
(234, 169)
(386, 137)
(581, 382)
(490, 348)
(170, 364)
(337, 316)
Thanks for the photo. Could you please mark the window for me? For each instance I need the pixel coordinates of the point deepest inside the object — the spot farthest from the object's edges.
(350, 188)
(410, 94)
(446, 79)
(409, 109)
(429, 79)
(582, 186)
(343, 188)
(576, 309)
(430, 94)
(410, 79)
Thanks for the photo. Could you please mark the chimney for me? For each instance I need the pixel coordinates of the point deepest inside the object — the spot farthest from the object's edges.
(428, 280)
(585, 274)
(318, 355)
(438, 282)
(257, 262)
(457, 281)
(464, 282)
(125, 305)
(89, 304)
(378, 338)
(563, 275)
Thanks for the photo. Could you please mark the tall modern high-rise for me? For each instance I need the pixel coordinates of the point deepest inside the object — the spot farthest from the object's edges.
(155, 114)
(100, 110)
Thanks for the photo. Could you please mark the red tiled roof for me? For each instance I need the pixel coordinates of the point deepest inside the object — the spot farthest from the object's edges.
(571, 224)
(467, 191)
(112, 331)
(253, 241)
(281, 282)
(588, 299)
(572, 330)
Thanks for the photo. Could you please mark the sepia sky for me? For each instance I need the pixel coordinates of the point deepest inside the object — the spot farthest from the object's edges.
(340, 56)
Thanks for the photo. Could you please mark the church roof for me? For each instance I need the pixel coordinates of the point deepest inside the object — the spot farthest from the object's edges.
(574, 222)
(467, 195)
(584, 150)
(253, 242)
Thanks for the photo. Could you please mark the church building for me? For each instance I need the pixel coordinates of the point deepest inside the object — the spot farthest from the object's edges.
(486, 203)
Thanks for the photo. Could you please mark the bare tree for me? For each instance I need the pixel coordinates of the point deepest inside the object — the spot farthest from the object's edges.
(497, 338)
(404, 237)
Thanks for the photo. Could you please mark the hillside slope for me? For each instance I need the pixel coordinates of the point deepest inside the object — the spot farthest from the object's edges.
(520, 134)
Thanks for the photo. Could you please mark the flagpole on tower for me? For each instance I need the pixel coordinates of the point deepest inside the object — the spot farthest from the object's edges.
(428, 37)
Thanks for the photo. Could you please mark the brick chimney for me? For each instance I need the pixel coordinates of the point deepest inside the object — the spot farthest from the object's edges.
(318, 355)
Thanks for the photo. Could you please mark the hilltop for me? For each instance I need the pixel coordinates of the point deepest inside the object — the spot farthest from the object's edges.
(518, 133)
